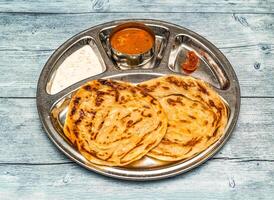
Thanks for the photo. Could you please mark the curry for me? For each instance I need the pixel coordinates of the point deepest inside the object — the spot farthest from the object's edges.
(132, 41)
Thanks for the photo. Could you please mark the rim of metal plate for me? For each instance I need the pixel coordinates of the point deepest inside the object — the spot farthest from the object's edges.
(45, 101)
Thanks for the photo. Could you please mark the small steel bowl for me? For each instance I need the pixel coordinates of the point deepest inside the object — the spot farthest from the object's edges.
(126, 61)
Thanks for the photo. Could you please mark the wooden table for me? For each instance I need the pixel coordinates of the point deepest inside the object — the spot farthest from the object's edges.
(31, 167)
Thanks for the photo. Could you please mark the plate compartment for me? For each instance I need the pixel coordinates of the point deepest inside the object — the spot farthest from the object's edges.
(173, 42)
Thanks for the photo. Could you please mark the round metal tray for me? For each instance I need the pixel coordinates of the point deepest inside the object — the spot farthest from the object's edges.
(172, 42)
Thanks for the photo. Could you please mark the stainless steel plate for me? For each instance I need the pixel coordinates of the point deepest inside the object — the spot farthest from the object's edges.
(172, 43)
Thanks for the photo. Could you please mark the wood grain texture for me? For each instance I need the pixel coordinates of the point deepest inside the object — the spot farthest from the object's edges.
(31, 167)
(216, 179)
(70, 6)
(253, 65)
(249, 45)
(24, 137)
(48, 31)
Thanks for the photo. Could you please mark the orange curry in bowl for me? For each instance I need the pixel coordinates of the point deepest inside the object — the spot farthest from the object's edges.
(132, 41)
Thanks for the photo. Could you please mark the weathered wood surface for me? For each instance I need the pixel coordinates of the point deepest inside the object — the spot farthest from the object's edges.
(217, 179)
(27, 41)
(22, 134)
(47, 32)
(35, 169)
(70, 6)
(31, 167)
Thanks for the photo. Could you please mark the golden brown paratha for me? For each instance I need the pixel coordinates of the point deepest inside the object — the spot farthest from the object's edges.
(114, 123)
(196, 114)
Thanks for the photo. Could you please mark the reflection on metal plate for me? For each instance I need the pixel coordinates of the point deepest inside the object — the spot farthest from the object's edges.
(173, 43)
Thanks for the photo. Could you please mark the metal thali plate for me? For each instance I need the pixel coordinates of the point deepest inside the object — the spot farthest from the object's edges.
(172, 43)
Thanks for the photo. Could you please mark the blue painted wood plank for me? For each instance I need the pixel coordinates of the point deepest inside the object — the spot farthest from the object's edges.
(216, 179)
(28, 41)
(29, 169)
(70, 6)
(252, 65)
(25, 141)
(44, 32)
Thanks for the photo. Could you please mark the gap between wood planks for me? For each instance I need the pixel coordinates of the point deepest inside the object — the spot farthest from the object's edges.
(124, 12)
(239, 160)
(49, 50)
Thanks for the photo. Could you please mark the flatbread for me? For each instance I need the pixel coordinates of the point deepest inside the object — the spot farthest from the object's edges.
(196, 114)
(114, 123)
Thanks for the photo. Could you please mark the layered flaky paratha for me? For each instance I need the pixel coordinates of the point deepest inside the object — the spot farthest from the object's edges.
(196, 114)
(114, 123)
